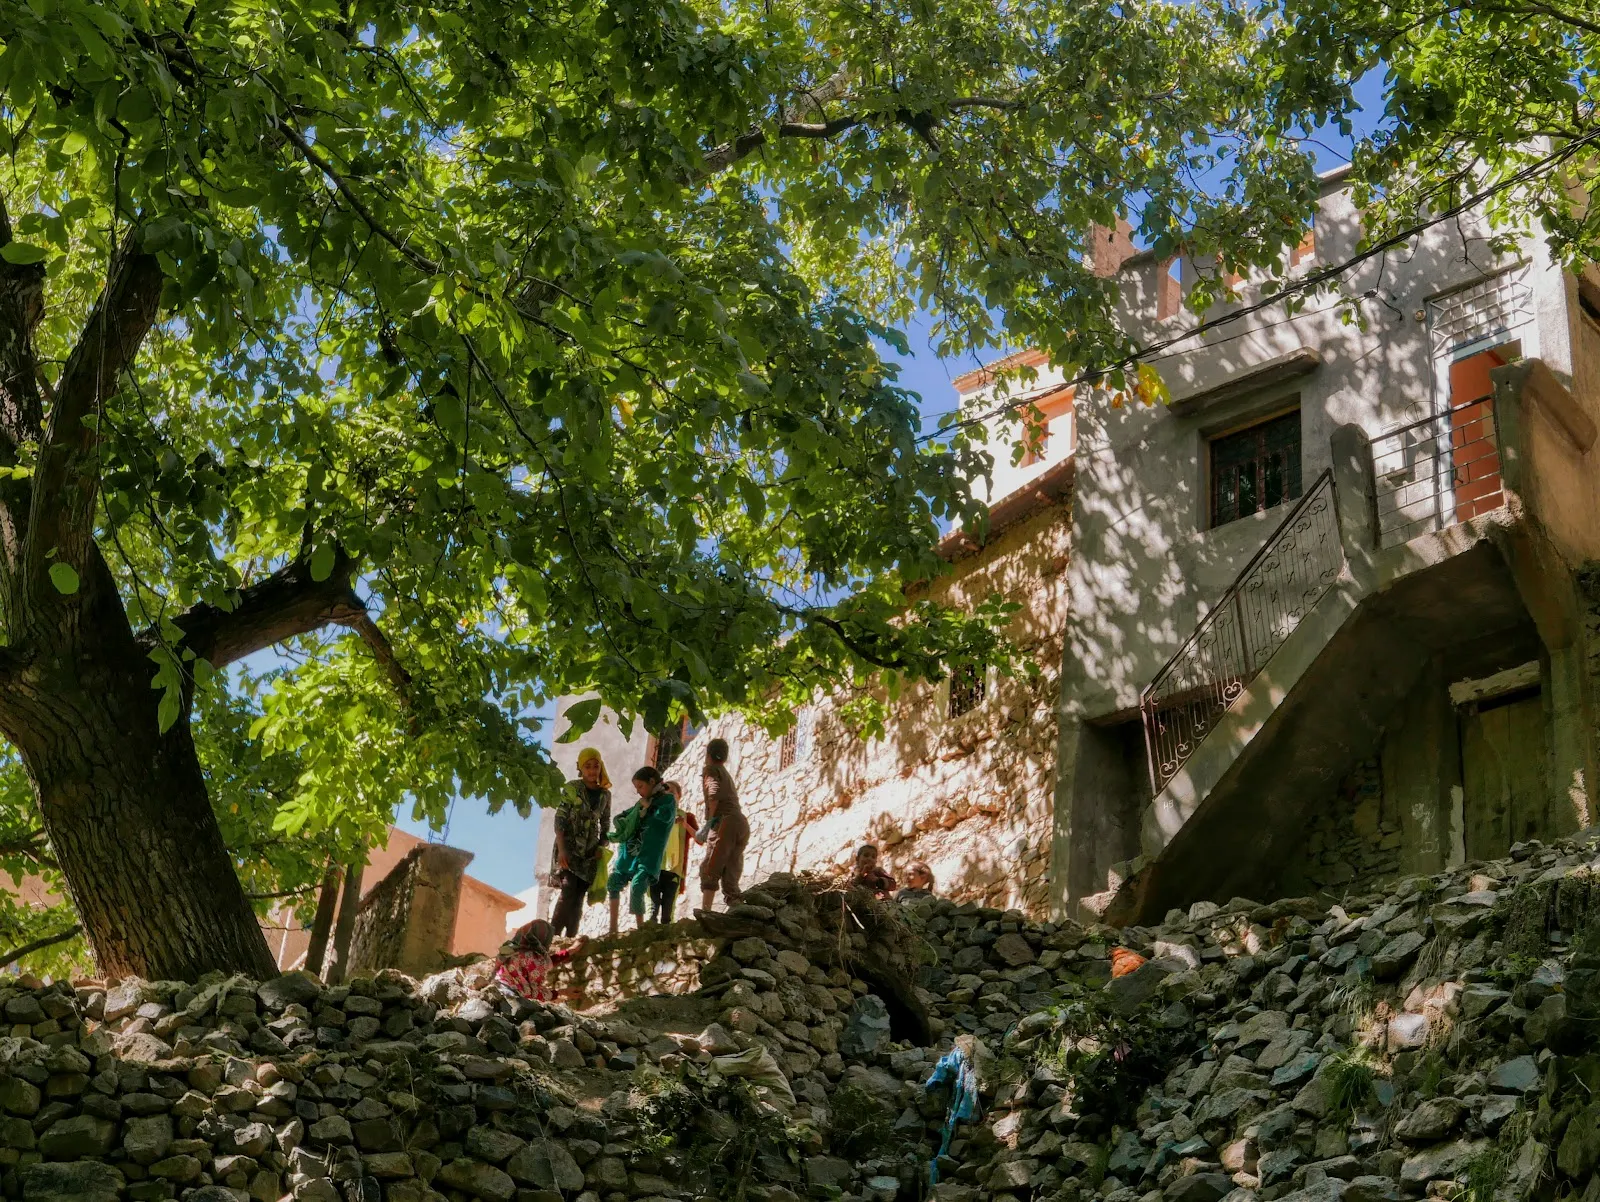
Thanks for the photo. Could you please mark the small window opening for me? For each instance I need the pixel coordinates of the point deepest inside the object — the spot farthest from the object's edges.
(788, 745)
(669, 743)
(1255, 468)
(968, 686)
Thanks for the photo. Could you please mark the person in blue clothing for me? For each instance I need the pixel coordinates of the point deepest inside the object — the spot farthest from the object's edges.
(642, 831)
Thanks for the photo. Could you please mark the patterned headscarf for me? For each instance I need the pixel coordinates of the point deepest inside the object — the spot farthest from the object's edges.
(591, 753)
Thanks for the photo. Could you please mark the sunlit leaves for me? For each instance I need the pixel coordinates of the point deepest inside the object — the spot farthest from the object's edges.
(456, 296)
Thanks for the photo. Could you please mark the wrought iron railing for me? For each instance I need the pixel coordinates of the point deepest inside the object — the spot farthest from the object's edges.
(1437, 472)
(1233, 642)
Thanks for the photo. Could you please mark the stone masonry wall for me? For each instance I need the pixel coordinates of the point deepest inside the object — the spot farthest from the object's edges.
(658, 960)
(1354, 841)
(1431, 1041)
(970, 795)
(408, 921)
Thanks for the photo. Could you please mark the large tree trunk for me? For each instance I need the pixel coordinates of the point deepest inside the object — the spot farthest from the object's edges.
(128, 817)
(123, 803)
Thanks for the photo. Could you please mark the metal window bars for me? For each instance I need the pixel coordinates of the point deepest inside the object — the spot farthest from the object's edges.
(1437, 472)
(968, 686)
(1236, 638)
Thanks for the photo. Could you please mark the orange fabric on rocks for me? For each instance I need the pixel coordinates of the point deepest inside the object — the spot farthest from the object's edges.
(1124, 961)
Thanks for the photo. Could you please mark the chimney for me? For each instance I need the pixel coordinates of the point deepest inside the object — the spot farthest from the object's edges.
(1110, 248)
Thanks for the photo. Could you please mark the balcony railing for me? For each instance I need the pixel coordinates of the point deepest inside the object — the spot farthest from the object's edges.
(1234, 641)
(1437, 472)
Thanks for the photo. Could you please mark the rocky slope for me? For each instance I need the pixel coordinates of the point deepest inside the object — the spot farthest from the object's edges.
(1441, 1038)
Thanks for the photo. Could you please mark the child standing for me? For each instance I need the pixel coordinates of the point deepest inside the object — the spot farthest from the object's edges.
(674, 862)
(644, 842)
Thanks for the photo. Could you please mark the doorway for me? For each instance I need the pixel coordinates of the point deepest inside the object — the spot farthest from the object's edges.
(1503, 774)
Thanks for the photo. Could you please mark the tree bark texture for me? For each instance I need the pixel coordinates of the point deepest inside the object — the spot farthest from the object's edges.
(322, 924)
(128, 816)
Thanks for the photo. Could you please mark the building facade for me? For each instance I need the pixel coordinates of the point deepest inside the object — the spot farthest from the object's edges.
(1328, 616)
(1326, 608)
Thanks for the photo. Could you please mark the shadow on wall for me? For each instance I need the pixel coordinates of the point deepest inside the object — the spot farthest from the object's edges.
(969, 792)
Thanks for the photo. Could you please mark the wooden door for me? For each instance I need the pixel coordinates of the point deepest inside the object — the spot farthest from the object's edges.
(1503, 755)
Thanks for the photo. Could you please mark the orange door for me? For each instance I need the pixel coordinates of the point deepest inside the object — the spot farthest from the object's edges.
(1474, 452)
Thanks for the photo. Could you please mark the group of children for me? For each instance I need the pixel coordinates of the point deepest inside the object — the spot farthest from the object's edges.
(870, 874)
(652, 839)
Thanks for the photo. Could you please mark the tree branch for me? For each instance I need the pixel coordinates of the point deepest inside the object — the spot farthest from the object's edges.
(286, 603)
(21, 307)
(300, 892)
(313, 156)
(38, 945)
(383, 651)
(66, 479)
(746, 144)
(25, 845)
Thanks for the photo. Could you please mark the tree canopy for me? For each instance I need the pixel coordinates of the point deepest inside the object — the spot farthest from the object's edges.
(469, 354)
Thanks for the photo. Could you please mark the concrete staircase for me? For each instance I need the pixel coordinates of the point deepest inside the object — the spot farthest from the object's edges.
(1237, 804)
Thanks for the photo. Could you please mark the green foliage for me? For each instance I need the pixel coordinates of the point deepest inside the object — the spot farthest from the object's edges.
(1570, 905)
(1111, 1060)
(860, 1126)
(1351, 1082)
(555, 332)
(1483, 1176)
(1473, 100)
(724, 1139)
(1430, 1074)
(554, 329)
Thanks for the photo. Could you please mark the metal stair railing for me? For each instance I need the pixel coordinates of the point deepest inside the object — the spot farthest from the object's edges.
(1282, 582)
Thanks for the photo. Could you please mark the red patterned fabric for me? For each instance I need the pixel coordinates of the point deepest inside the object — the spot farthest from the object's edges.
(526, 973)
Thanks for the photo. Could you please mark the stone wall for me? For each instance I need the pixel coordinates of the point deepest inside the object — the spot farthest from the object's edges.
(408, 921)
(647, 963)
(971, 795)
(1394, 1047)
(1354, 842)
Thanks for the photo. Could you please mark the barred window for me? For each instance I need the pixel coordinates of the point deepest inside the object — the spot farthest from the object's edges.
(669, 745)
(968, 687)
(787, 746)
(1255, 468)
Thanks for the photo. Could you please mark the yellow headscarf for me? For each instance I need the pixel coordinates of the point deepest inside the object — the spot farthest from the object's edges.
(591, 753)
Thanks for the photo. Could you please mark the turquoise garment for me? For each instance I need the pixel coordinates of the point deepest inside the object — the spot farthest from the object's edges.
(638, 861)
(953, 1070)
(654, 827)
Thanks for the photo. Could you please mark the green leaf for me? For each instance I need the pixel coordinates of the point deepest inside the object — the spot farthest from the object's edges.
(581, 717)
(64, 578)
(322, 560)
(23, 252)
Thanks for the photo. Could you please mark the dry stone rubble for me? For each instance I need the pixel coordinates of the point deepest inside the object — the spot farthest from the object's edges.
(1437, 1039)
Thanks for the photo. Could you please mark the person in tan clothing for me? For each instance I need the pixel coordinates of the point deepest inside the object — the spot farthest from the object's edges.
(725, 831)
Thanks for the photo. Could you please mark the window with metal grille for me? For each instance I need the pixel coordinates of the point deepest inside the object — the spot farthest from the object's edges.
(1255, 468)
(787, 746)
(967, 688)
(669, 745)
